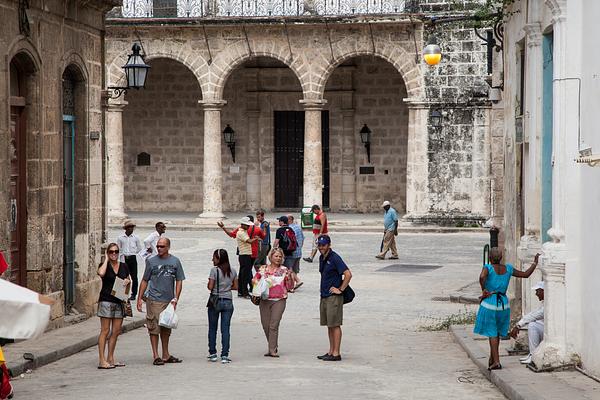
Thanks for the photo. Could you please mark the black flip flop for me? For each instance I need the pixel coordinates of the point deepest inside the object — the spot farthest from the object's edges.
(109, 367)
(172, 360)
(158, 361)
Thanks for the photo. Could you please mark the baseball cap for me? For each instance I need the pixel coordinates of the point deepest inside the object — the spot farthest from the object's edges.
(323, 240)
(283, 219)
(385, 203)
(539, 285)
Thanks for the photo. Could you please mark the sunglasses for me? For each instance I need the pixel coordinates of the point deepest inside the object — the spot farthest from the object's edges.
(160, 247)
(113, 252)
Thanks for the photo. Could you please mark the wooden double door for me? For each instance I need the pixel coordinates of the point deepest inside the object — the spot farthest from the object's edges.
(18, 193)
(289, 158)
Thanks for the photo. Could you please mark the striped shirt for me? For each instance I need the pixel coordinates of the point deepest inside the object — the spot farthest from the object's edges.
(243, 241)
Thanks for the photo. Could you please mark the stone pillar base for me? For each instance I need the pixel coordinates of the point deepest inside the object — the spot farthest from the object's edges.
(116, 217)
(206, 217)
(550, 355)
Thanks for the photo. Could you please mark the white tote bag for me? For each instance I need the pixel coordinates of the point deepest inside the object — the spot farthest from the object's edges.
(21, 314)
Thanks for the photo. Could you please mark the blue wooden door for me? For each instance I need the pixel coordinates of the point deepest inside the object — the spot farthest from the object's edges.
(547, 113)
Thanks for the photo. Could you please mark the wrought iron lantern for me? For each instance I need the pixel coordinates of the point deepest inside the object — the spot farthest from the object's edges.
(229, 137)
(136, 71)
(436, 117)
(365, 138)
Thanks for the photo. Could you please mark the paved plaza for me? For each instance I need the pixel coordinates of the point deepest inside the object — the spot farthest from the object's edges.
(386, 354)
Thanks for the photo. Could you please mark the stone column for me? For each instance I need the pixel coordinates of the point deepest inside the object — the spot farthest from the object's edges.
(349, 200)
(417, 168)
(253, 187)
(212, 180)
(313, 157)
(115, 182)
(552, 352)
(530, 243)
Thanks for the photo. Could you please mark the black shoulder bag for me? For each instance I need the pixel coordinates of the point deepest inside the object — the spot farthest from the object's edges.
(214, 299)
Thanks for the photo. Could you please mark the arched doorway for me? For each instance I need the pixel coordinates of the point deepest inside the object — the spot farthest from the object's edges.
(367, 90)
(263, 106)
(163, 141)
(23, 98)
(74, 123)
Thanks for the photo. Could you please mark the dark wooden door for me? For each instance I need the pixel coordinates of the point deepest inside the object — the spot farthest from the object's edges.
(289, 158)
(325, 151)
(18, 196)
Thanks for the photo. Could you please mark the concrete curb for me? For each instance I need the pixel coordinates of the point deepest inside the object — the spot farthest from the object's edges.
(463, 299)
(334, 228)
(509, 383)
(50, 356)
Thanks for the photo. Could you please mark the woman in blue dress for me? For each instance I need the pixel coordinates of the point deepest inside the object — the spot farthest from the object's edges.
(493, 317)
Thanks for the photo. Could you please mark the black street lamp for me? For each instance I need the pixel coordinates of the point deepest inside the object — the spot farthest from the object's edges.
(435, 117)
(229, 137)
(365, 138)
(136, 71)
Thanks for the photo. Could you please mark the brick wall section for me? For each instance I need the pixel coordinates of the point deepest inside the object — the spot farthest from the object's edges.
(165, 121)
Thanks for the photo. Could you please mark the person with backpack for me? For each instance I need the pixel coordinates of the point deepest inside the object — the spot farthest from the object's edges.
(285, 239)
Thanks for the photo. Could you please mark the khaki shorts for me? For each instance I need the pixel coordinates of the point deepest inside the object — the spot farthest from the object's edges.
(153, 310)
(332, 310)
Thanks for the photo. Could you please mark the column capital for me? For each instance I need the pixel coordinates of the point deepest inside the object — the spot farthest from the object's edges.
(212, 104)
(115, 105)
(313, 104)
(534, 34)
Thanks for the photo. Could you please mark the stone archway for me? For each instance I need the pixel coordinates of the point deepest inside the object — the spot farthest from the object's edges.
(367, 90)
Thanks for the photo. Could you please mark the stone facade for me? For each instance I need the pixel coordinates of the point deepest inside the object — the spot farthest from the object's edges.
(551, 190)
(54, 57)
(359, 73)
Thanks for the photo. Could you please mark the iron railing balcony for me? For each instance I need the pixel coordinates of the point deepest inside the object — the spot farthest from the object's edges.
(259, 8)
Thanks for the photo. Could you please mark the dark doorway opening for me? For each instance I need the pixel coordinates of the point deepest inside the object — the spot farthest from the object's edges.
(289, 158)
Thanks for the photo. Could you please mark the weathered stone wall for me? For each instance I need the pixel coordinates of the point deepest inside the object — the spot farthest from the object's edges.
(60, 36)
(459, 150)
(165, 121)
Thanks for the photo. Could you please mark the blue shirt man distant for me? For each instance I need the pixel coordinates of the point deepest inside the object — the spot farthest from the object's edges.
(335, 278)
(390, 231)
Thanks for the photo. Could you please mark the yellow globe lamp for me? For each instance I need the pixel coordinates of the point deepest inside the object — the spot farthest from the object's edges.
(432, 54)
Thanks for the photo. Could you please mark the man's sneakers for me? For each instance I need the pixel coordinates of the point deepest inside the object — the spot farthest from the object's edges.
(308, 259)
(329, 357)
(393, 257)
(225, 360)
(380, 257)
(525, 360)
(212, 358)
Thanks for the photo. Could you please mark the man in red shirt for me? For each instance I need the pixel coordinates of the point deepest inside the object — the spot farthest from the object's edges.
(253, 231)
(319, 228)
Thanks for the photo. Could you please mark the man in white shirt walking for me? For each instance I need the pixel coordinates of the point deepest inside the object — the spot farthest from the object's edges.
(152, 239)
(130, 245)
(535, 322)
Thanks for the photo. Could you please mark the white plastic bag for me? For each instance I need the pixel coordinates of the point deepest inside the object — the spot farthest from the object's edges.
(261, 289)
(168, 318)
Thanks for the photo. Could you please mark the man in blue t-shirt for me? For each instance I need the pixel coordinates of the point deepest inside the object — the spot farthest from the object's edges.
(335, 277)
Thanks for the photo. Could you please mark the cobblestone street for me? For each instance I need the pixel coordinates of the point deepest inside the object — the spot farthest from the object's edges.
(386, 354)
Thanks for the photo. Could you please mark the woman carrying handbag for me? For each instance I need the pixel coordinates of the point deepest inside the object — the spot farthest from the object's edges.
(221, 281)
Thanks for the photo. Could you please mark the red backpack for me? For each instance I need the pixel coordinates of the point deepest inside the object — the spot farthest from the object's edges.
(289, 244)
(6, 390)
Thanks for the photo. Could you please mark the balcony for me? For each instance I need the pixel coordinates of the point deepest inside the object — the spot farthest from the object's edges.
(259, 8)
